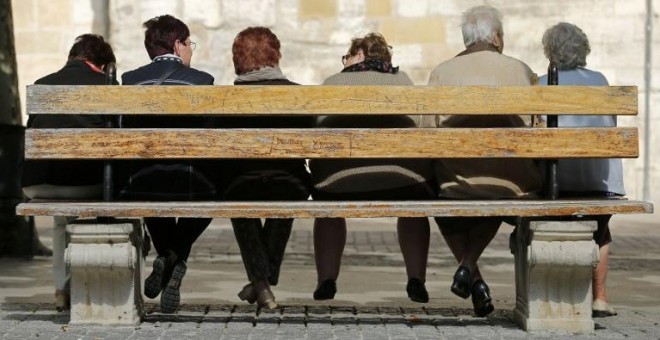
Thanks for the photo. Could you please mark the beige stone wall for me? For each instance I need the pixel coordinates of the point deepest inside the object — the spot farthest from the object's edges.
(315, 33)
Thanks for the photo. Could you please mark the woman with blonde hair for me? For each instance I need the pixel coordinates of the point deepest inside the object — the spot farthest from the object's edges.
(369, 62)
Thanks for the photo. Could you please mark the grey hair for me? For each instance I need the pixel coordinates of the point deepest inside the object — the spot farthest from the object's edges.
(481, 24)
(566, 45)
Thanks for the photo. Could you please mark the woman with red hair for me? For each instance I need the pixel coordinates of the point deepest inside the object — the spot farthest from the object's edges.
(256, 56)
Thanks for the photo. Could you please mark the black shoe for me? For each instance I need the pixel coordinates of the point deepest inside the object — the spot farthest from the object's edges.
(326, 290)
(481, 299)
(154, 283)
(417, 291)
(171, 297)
(462, 282)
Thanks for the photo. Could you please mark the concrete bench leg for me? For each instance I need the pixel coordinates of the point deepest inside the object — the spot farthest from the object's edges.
(554, 266)
(105, 264)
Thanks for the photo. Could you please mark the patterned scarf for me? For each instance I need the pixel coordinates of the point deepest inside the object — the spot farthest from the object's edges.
(372, 65)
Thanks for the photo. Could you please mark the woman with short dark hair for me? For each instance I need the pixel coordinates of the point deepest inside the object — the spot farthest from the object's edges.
(87, 59)
(256, 56)
(167, 41)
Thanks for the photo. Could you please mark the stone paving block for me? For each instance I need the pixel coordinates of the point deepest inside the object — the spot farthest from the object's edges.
(346, 332)
(264, 330)
(373, 331)
(210, 333)
(146, 333)
(425, 331)
(319, 332)
(399, 331)
(292, 332)
(237, 330)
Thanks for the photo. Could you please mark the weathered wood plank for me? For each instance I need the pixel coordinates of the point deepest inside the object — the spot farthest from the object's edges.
(330, 143)
(304, 100)
(356, 209)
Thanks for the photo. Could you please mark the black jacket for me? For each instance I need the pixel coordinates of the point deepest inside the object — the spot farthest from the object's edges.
(66, 173)
(234, 169)
(162, 179)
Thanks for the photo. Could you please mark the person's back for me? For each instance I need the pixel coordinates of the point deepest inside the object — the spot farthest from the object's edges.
(484, 178)
(567, 46)
(587, 175)
(167, 41)
(480, 64)
(69, 179)
(369, 62)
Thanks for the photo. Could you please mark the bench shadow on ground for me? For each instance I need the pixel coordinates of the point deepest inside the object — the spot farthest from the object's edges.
(295, 315)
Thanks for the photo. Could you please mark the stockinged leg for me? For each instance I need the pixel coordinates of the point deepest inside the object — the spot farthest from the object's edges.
(554, 263)
(105, 262)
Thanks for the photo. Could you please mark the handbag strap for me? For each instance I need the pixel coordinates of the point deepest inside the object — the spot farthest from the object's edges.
(168, 74)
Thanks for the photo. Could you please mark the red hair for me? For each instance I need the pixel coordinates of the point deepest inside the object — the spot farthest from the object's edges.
(254, 48)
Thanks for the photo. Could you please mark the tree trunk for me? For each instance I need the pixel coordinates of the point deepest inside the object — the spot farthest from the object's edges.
(17, 236)
(10, 109)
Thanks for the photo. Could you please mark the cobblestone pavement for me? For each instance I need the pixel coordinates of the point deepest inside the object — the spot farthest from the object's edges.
(370, 304)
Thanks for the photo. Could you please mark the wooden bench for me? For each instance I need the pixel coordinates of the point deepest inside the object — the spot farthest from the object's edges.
(553, 258)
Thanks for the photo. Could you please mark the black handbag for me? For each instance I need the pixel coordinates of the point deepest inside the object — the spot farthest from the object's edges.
(267, 185)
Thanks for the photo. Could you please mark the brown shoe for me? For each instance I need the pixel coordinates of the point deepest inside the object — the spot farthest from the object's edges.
(248, 293)
(265, 297)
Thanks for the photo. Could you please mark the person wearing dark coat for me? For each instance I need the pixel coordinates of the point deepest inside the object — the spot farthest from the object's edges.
(69, 179)
(167, 40)
(256, 56)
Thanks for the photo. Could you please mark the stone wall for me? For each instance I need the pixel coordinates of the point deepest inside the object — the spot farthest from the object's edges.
(315, 33)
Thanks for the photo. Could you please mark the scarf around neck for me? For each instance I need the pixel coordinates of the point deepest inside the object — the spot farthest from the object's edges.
(168, 57)
(372, 65)
(264, 73)
(479, 47)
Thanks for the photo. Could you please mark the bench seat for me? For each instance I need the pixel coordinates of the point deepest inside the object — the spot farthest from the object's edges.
(357, 209)
(554, 250)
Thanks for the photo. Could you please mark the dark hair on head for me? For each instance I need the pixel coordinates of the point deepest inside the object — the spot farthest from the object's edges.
(161, 34)
(373, 45)
(93, 48)
(254, 48)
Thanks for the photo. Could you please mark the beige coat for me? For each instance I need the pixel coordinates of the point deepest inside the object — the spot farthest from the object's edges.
(484, 178)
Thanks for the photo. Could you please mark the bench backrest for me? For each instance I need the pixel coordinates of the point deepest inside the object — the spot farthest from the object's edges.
(548, 143)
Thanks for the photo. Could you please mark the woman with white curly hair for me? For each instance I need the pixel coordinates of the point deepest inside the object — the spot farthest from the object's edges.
(567, 46)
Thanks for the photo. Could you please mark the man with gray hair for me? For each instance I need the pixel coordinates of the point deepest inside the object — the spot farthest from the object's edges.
(481, 63)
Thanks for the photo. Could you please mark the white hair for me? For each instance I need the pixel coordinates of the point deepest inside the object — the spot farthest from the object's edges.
(566, 45)
(481, 24)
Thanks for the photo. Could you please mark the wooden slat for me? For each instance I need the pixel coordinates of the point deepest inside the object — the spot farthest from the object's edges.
(313, 209)
(288, 100)
(331, 143)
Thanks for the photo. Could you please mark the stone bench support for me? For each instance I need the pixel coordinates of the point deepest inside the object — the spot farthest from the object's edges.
(105, 265)
(554, 263)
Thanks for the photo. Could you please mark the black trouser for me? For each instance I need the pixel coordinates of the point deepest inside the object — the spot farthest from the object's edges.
(262, 248)
(176, 235)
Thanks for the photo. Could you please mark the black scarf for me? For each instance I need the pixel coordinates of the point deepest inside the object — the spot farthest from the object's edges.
(372, 65)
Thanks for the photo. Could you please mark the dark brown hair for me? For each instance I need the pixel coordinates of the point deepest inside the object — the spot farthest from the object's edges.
(93, 48)
(254, 48)
(373, 45)
(161, 34)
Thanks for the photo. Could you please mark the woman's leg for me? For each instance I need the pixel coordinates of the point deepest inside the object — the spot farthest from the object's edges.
(275, 236)
(414, 237)
(479, 237)
(414, 234)
(253, 252)
(329, 241)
